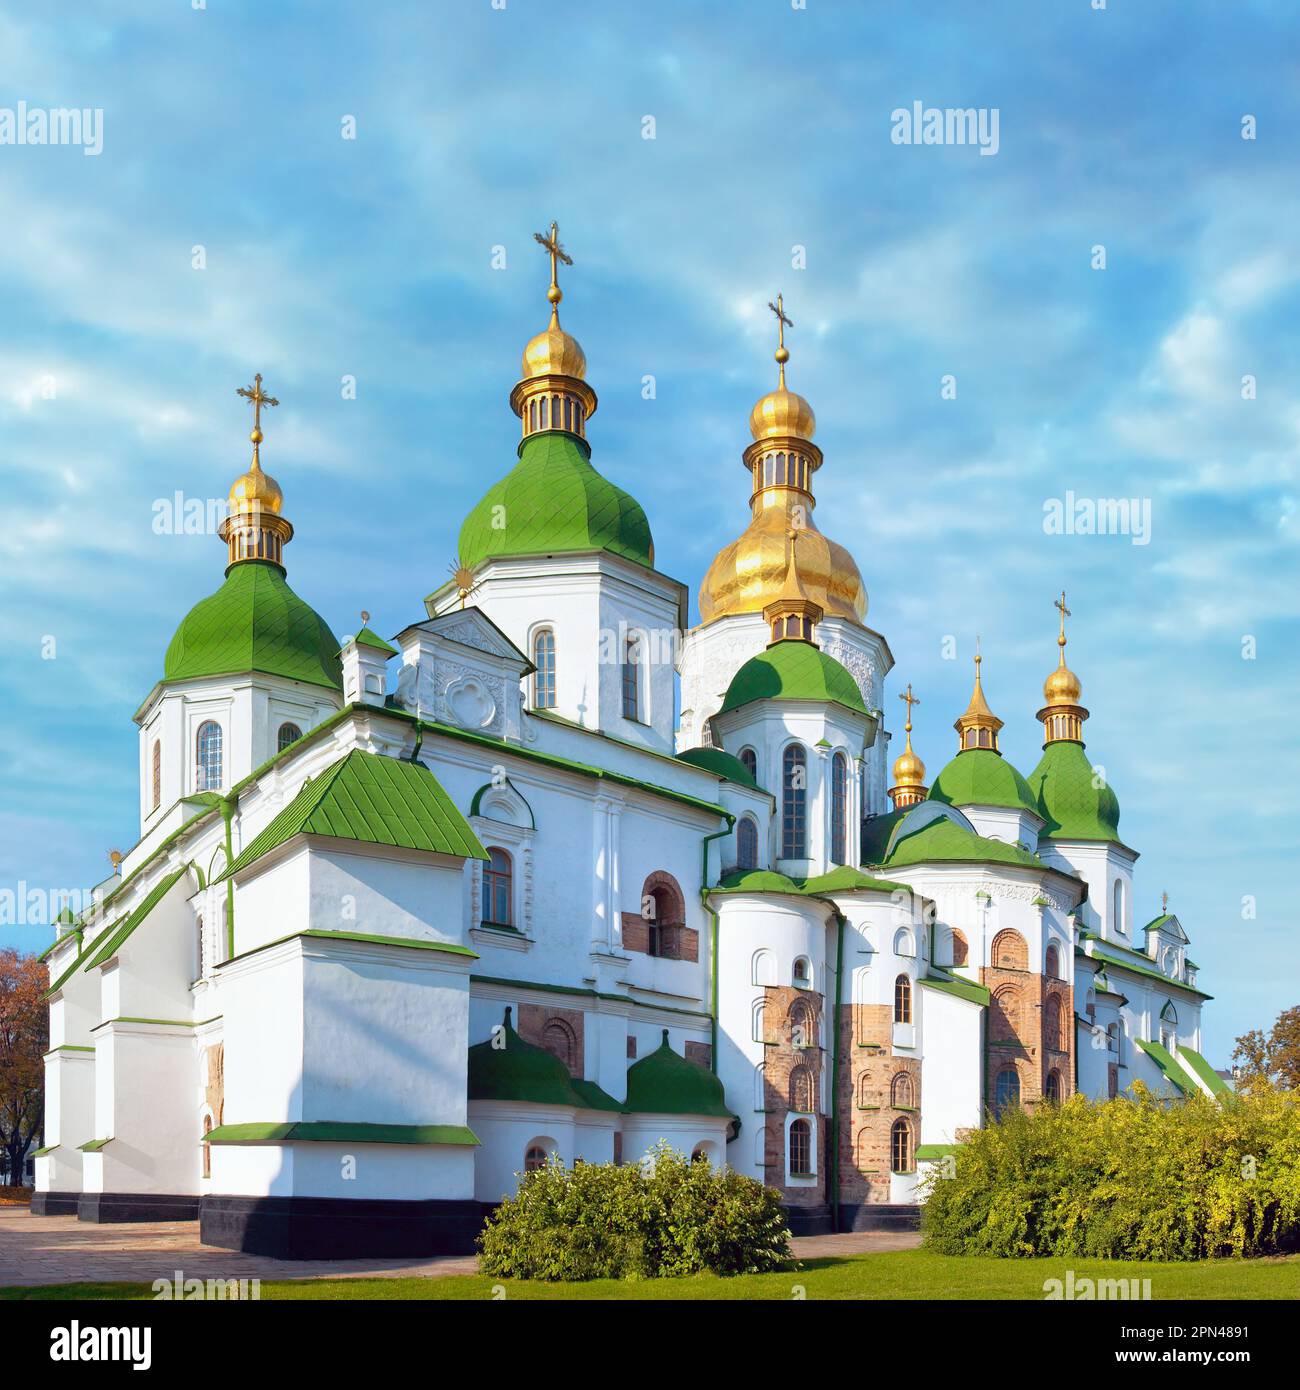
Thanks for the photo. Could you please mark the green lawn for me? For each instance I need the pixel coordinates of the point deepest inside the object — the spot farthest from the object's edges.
(900, 1274)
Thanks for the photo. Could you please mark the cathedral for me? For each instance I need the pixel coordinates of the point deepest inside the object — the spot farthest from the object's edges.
(547, 873)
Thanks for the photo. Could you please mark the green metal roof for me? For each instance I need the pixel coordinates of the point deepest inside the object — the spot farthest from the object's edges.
(981, 777)
(1197, 1064)
(1169, 1066)
(508, 1068)
(843, 879)
(554, 501)
(961, 989)
(665, 1083)
(876, 832)
(254, 622)
(107, 946)
(1072, 807)
(793, 670)
(374, 800)
(1133, 962)
(338, 1132)
(719, 761)
(367, 638)
(945, 840)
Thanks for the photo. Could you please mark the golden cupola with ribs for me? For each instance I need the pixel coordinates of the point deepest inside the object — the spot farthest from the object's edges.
(750, 573)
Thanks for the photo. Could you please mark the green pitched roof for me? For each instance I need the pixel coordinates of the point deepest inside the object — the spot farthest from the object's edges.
(107, 946)
(946, 840)
(843, 879)
(375, 800)
(1072, 807)
(792, 670)
(554, 501)
(521, 1070)
(1197, 1064)
(718, 760)
(254, 622)
(876, 833)
(1169, 1066)
(958, 987)
(367, 638)
(665, 1083)
(338, 1132)
(981, 777)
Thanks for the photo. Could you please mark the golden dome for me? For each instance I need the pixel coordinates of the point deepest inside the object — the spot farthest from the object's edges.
(553, 352)
(1062, 714)
(750, 573)
(1062, 687)
(978, 726)
(256, 490)
(782, 413)
(909, 770)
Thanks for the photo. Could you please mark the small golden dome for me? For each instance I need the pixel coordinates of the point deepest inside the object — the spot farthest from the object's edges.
(782, 412)
(1062, 687)
(909, 770)
(553, 352)
(256, 490)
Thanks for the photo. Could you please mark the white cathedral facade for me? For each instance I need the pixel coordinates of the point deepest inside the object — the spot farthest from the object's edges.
(407, 917)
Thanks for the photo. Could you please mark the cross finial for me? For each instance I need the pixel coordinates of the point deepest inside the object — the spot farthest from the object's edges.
(910, 700)
(1164, 903)
(258, 398)
(782, 323)
(551, 243)
(1065, 613)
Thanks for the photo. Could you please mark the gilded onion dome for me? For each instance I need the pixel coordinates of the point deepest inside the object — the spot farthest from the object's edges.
(909, 771)
(254, 528)
(1062, 714)
(750, 574)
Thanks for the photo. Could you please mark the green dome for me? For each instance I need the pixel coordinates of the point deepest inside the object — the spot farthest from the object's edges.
(254, 622)
(943, 841)
(719, 761)
(1072, 806)
(665, 1083)
(791, 670)
(981, 777)
(519, 1071)
(552, 501)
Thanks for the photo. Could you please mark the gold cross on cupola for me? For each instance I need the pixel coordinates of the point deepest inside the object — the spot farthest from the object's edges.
(550, 242)
(257, 398)
(783, 321)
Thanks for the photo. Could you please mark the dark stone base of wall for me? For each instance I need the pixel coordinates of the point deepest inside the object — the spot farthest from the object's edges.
(337, 1228)
(808, 1221)
(108, 1207)
(879, 1216)
(55, 1203)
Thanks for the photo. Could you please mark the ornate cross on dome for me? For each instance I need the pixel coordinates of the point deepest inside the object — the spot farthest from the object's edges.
(1065, 613)
(910, 700)
(783, 321)
(551, 243)
(258, 398)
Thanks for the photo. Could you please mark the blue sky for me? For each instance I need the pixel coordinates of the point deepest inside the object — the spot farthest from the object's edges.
(476, 126)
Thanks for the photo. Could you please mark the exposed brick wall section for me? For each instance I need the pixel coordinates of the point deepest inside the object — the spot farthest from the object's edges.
(781, 1059)
(1018, 1032)
(636, 932)
(1059, 1057)
(566, 1028)
(701, 1053)
(868, 1067)
(676, 942)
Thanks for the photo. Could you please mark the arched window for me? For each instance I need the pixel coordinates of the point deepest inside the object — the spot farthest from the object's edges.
(763, 968)
(760, 1021)
(534, 1158)
(662, 905)
(802, 975)
(794, 794)
(760, 1087)
(1006, 1090)
(207, 751)
(840, 809)
(1053, 965)
(1052, 1023)
(1052, 1091)
(801, 1091)
(289, 733)
(750, 760)
(544, 676)
(902, 1000)
(1009, 952)
(631, 679)
(800, 1148)
(746, 843)
(1112, 1039)
(1118, 904)
(960, 948)
(1169, 1027)
(900, 1147)
(207, 1148)
(156, 794)
(498, 880)
(803, 1025)
(902, 1094)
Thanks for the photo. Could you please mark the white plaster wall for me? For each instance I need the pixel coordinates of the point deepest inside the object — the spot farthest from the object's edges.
(403, 1172)
(951, 1066)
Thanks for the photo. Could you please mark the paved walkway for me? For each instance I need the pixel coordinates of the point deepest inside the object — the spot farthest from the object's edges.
(63, 1250)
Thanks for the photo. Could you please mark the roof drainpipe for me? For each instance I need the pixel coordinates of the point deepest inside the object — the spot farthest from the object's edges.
(713, 938)
(419, 739)
(837, 1029)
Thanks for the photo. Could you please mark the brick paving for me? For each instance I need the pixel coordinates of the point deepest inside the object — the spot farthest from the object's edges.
(63, 1250)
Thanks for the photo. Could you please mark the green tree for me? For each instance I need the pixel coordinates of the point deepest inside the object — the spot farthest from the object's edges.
(1269, 1059)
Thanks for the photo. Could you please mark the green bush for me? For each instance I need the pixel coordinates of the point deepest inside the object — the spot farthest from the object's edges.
(666, 1218)
(1131, 1179)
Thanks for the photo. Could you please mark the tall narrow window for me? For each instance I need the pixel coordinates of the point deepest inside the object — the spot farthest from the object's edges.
(800, 1148)
(750, 760)
(207, 749)
(1006, 1090)
(1119, 905)
(902, 1000)
(631, 680)
(1052, 1029)
(794, 803)
(900, 1147)
(839, 808)
(746, 843)
(544, 676)
(497, 880)
(1052, 1091)
(156, 774)
(1053, 967)
(289, 733)
(534, 1158)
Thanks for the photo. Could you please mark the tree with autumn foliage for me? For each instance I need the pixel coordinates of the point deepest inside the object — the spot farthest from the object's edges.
(24, 1037)
(1263, 1060)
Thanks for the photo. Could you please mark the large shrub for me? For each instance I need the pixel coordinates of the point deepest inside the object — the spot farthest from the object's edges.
(666, 1217)
(1126, 1179)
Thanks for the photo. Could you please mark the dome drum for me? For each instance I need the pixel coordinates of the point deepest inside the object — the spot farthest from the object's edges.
(553, 402)
(782, 462)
